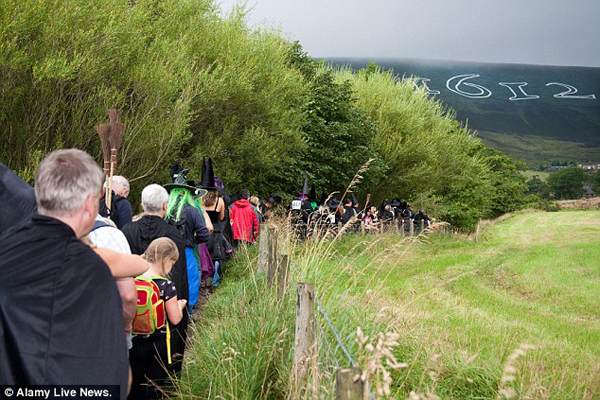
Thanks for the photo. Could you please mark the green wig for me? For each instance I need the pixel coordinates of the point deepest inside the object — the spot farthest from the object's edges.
(178, 198)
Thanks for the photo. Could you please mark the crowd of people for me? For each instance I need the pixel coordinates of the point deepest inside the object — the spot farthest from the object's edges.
(312, 217)
(77, 263)
(95, 295)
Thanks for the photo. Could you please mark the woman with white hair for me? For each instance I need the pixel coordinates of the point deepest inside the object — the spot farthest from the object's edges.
(120, 212)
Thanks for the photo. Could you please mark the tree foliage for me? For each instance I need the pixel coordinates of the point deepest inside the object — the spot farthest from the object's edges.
(538, 187)
(567, 183)
(338, 135)
(596, 182)
(188, 81)
(509, 187)
(192, 82)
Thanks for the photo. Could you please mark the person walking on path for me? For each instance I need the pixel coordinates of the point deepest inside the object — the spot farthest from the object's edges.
(120, 213)
(150, 353)
(214, 205)
(185, 213)
(243, 220)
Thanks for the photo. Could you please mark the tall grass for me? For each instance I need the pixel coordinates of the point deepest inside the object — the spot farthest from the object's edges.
(459, 309)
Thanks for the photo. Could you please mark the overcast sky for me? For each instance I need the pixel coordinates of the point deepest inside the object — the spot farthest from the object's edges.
(550, 32)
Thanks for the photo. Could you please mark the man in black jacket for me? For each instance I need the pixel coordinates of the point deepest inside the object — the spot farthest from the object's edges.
(60, 311)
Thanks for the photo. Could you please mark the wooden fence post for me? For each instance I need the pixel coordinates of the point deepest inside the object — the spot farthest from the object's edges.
(411, 227)
(305, 335)
(348, 385)
(282, 275)
(263, 249)
(272, 256)
(421, 226)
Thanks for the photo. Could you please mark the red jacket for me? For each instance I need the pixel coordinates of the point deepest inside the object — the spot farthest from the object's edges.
(243, 221)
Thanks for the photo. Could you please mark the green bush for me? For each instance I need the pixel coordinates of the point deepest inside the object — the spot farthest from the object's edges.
(188, 82)
(191, 82)
(567, 183)
(64, 63)
(538, 187)
(337, 133)
(509, 187)
(538, 203)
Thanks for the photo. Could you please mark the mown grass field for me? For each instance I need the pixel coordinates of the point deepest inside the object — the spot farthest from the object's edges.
(533, 278)
(461, 307)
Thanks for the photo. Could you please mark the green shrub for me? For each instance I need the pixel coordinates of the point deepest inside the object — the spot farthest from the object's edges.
(567, 183)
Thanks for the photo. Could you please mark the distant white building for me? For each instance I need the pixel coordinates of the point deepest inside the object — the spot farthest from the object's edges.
(589, 166)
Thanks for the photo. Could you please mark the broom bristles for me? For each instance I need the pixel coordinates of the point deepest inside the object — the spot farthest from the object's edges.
(104, 133)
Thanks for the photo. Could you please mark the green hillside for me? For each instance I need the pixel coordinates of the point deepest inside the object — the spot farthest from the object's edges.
(545, 122)
(527, 290)
(536, 150)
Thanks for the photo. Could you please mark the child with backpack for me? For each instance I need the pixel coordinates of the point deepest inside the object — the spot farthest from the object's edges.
(158, 310)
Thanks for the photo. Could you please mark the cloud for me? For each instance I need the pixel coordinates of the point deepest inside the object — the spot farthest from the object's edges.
(510, 31)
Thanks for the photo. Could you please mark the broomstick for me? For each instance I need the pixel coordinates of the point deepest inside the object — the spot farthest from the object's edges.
(104, 133)
(110, 141)
(116, 134)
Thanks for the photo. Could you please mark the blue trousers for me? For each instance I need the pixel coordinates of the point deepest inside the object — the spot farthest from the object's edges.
(193, 276)
(216, 279)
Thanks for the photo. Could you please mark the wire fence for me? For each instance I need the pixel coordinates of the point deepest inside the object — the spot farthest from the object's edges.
(331, 326)
(326, 335)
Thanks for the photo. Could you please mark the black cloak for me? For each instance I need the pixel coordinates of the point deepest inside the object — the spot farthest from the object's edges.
(17, 199)
(61, 317)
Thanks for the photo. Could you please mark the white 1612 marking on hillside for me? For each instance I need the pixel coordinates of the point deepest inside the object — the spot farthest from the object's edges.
(483, 92)
(570, 92)
(455, 83)
(521, 95)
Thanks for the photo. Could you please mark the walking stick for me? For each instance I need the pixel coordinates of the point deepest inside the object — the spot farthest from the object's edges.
(366, 203)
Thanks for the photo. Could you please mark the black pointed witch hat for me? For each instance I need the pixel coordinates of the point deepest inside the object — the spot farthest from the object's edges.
(333, 203)
(304, 187)
(313, 194)
(174, 170)
(354, 200)
(208, 175)
(180, 182)
(323, 198)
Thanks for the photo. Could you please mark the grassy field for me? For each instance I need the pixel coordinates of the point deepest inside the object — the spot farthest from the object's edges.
(515, 311)
(538, 150)
(531, 279)
(529, 173)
